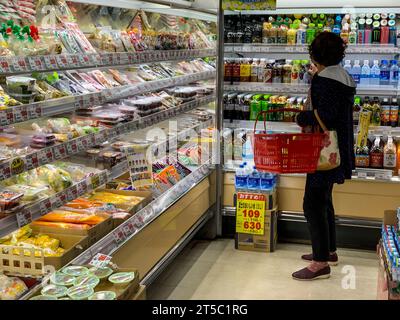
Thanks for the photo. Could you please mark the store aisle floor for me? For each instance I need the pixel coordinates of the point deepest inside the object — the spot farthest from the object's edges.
(215, 270)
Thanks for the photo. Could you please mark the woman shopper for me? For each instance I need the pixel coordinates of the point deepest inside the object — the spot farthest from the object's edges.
(332, 96)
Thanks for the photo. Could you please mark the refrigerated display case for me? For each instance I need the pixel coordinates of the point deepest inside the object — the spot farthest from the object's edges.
(80, 81)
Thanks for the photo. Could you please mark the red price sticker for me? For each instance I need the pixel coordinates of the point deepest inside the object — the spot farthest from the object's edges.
(59, 152)
(31, 161)
(62, 61)
(129, 229)
(50, 62)
(45, 156)
(100, 260)
(250, 213)
(45, 207)
(82, 188)
(23, 218)
(20, 114)
(119, 236)
(34, 111)
(72, 147)
(56, 202)
(19, 64)
(5, 65)
(84, 60)
(72, 193)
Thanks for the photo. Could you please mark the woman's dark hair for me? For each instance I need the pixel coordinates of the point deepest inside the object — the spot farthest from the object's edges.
(328, 49)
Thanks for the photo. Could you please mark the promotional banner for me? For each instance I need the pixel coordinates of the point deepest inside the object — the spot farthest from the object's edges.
(250, 211)
(249, 4)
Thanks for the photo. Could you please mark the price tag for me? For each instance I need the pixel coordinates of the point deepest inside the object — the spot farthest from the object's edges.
(20, 114)
(35, 63)
(34, 111)
(50, 62)
(45, 207)
(5, 65)
(5, 171)
(56, 202)
(128, 229)
(45, 156)
(84, 60)
(117, 58)
(17, 166)
(59, 152)
(19, 64)
(362, 175)
(62, 61)
(5, 116)
(100, 260)
(31, 161)
(23, 218)
(72, 193)
(74, 60)
(79, 102)
(119, 236)
(250, 213)
(82, 143)
(72, 147)
(382, 176)
(82, 187)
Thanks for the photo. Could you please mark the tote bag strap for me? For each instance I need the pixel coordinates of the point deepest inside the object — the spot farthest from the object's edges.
(321, 124)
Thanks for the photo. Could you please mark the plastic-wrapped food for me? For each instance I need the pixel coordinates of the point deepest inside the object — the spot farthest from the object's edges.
(59, 125)
(21, 88)
(29, 193)
(119, 77)
(92, 81)
(61, 225)
(120, 201)
(9, 199)
(57, 178)
(72, 217)
(100, 78)
(9, 140)
(11, 288)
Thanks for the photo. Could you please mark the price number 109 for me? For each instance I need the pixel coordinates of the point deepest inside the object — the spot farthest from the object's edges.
(251, 214)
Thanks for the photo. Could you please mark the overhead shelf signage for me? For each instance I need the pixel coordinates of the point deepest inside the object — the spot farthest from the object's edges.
(249, 4)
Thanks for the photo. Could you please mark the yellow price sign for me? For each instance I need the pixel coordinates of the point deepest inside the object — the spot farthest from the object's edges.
(250, 213)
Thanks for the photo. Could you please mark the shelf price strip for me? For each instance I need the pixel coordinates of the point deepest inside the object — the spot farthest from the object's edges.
(250, 213)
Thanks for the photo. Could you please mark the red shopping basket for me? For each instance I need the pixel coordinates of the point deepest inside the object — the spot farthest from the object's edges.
(286, 152)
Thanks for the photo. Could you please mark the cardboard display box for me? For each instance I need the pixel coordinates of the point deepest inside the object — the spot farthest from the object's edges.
(20, 264)
(141, 294)
(264, 243)
(94, 234)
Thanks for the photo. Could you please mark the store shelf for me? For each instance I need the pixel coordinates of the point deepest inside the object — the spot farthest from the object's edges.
(22, 64)
(68, 104)
(36, 210)
(255, 48)
(270, 125)
(63, 150)
(302, 89)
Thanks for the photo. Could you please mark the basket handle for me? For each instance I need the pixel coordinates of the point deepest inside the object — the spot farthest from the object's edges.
(264, 113)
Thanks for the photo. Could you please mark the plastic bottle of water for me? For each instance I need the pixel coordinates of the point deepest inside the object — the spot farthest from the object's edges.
(347, 66)
(385, 73)
(375, 74)
(241, 178)
(254, 181)
(267, 182)
(394, 73)
(365, 73)
(356, 71)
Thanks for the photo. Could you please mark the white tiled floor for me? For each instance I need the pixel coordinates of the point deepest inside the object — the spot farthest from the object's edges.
(215, 270)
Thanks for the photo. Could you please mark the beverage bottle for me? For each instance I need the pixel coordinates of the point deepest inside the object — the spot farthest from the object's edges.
(353, 35)
(282, 35)
(345, 20)
(345, 33)
(254, 181)
(302, 71)
(384, 32)
(365, 73)
(338, 20)
(292, 35)
(230, 107)
(267, 26)
(320, 29)
(240, 107)
(394, 113)
(248, 33)
(257, 31)
(330, 21)
(254, 71)
(385, 73)
(236, 71)
(322, 19)
(347, 66)
(266, 182)
(377, 16)
(394, 74)
(255, 108)
(376, 154)
(277, 73)
(228, 69)
(245, 70)
(295, 72)
(269, 71)
(310, 33)
(376, 32)
(301, 34)
(360, 31)
(273, 37)
(356, 110)
(241, 178)
(336, 30)
(368, 31)
(287, 72)
(356, 71)
(261, 70)
(376, 113)
(390, 155)
(314, 18)
(392, 32)
(385, 115)
(375, 74)
(307, 74)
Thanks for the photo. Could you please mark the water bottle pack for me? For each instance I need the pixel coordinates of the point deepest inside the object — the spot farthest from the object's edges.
(249, 179)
